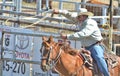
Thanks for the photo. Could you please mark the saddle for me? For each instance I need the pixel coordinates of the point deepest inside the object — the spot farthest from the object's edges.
(110, 58)
(86, 55)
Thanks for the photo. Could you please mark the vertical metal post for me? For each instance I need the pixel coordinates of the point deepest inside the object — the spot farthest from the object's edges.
(2, 6)
(18, 6)
(2, 51)
(77, 6)
(61, 4)
(47, 4)
(31, 57)
(104, 13)
(111, 25)
(39, 7)
(14, 45)
(118, 13)
(83, 1)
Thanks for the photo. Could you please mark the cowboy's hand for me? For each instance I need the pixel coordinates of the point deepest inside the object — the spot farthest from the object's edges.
(63, 36)
(55, 11)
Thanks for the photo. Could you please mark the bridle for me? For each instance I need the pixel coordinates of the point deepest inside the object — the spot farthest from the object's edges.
(50, 62)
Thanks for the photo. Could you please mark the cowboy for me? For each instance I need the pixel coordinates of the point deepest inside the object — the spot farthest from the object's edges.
(89, 34)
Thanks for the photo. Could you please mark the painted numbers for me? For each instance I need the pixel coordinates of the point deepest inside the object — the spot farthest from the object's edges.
(7, 41)
(16, 67)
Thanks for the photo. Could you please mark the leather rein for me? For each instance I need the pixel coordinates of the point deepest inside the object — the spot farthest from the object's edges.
(53, 62)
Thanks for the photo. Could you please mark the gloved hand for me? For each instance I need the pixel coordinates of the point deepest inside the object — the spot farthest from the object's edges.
(55, 11)
(63, 36)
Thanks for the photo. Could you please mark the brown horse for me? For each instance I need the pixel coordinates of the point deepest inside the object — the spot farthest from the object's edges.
(57, 56)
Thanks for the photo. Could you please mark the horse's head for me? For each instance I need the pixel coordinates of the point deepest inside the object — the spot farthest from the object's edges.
(48, 50)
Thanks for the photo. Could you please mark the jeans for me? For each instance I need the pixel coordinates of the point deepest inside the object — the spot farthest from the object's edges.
(97, 53)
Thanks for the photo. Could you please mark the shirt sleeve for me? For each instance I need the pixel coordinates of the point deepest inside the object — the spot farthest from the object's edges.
(87, 31)
(68, 15)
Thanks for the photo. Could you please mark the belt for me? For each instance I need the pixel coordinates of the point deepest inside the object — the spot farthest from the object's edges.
(98, 42)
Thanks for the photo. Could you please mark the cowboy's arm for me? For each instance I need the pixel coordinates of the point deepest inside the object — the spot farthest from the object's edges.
(66, 14)
(87, 31)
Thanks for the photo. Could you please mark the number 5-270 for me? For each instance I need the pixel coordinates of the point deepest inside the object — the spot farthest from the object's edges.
(16, 67)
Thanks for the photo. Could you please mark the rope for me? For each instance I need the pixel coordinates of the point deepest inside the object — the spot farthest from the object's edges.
(7, 20)
(39, 20)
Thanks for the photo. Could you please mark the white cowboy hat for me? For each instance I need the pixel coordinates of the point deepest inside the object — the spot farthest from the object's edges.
(84, 11)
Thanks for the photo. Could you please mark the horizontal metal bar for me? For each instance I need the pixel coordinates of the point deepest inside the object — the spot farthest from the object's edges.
(19, 60)
(102, 17)
(16, 13)
(42, 23)
(7, 5)
(6, 2)
(20, 31)
(82, 3)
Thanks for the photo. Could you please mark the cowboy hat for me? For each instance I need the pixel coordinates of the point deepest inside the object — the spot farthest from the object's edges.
(84, 11)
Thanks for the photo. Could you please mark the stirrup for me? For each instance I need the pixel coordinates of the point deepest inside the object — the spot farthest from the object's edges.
(88, 65)
(114, 64)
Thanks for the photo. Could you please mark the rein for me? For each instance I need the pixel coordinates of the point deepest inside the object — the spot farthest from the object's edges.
(80, 68)
(53, 61)
(58, 56)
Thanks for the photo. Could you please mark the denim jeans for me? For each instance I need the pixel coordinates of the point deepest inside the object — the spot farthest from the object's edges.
(97, 53)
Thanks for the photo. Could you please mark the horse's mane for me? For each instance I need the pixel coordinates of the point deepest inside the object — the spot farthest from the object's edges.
(68, 49)
(112, 60)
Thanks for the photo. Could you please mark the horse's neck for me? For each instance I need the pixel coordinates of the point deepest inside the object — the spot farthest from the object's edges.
(67, 61)
(62, 64)
(65, 53)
